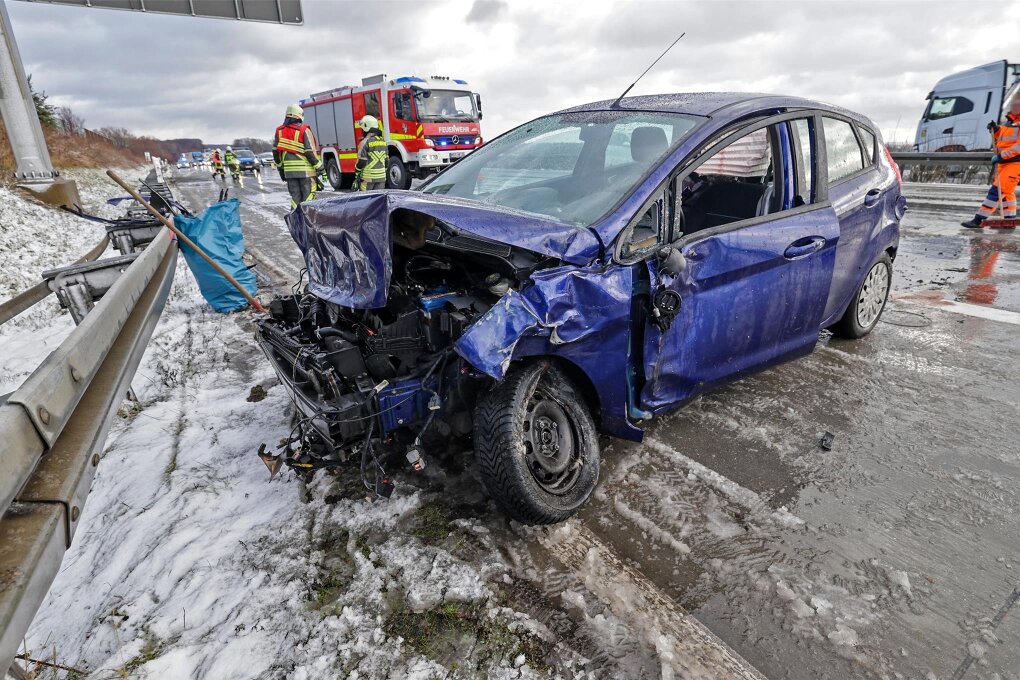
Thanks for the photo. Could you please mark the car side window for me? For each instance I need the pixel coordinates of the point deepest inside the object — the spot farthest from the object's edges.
(804, 155)
(735, 183)
(868, 141)
(842, 152)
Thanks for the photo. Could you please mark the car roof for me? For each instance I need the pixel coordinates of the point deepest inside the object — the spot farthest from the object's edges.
(712, 104)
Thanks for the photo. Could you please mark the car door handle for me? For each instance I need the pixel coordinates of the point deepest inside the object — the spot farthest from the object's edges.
(872, 196)
(804, 246)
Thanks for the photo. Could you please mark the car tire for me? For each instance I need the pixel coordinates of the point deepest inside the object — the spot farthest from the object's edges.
(397, 176)
(536, 445)
(868, 302)
(334, 175)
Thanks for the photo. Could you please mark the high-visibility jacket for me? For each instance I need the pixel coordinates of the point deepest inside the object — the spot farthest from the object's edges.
(215, 159)
(372, 158)
(231, 158)
(295, 151)
(1007, 140)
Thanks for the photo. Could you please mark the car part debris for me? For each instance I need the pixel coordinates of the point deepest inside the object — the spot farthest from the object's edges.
(827, 440)
(274, 463)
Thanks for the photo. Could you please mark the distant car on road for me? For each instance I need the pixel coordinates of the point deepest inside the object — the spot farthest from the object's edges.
(183, 162)
(248, 160)
(581, 274)
(266, 158)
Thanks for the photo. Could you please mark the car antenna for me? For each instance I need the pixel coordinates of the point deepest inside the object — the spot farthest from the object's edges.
(616, 104)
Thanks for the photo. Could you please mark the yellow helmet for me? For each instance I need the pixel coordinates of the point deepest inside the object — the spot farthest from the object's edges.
(295, 111)
(367, 123)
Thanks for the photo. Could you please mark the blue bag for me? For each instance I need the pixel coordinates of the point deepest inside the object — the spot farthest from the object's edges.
(217, 231)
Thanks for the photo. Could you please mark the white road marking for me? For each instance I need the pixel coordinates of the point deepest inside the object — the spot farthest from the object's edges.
(686, 647)
(980, 311)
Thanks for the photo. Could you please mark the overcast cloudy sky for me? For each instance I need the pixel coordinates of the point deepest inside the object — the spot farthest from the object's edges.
(218, 79)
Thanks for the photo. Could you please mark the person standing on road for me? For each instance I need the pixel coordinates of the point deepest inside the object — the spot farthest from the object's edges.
(217, 164)
(1005, 168)
(372, 156)
(233, 164)
(297, 156)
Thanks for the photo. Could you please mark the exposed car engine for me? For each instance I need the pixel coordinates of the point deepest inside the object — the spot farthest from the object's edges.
(362, 378)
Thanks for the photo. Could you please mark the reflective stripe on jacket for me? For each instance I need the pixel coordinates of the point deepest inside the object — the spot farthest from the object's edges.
(373, 152)
(295, 151)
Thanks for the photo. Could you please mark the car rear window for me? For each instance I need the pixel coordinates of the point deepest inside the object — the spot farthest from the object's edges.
(843, 153)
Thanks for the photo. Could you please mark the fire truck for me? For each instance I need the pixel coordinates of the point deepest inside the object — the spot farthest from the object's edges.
(428, 123)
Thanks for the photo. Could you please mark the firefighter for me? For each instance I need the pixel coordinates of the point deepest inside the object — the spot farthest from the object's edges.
(217, 163)
(372, 156)
(297, 157)
(233, 164)
(1005, 168)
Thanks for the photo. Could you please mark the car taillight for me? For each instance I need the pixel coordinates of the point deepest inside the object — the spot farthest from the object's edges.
(895, 167)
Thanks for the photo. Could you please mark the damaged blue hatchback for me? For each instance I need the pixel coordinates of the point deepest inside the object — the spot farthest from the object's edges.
(581, 274)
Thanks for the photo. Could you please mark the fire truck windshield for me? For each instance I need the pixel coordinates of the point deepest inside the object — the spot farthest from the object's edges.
(445, 105)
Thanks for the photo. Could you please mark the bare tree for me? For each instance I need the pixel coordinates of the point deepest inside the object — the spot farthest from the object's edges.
(69, 121)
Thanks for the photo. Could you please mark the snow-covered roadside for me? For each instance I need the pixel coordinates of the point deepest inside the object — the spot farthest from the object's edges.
(33, 238)
(188, 564)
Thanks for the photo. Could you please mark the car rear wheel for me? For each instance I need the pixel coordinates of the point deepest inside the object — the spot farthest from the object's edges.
(334, 174)
(536, 445)
(868, 301)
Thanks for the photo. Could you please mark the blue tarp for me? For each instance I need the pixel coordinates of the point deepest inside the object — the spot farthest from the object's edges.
(217, 231)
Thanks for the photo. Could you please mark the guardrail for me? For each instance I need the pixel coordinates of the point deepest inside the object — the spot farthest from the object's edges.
(54, 428)
(942, 157)
(22, 301)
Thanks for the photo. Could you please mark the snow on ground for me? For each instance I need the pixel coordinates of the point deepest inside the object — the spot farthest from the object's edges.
(33, 238)
(189, 564)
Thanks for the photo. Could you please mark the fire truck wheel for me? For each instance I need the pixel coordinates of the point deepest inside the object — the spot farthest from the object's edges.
(397, 176)
(334, 175)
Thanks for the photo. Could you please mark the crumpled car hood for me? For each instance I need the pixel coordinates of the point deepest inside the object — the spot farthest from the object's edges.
(347, 244)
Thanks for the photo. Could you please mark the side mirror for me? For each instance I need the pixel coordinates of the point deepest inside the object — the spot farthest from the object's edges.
(671, 260)
(478, 103)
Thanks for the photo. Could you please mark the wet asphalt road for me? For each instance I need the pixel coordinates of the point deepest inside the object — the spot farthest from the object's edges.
(896, 553)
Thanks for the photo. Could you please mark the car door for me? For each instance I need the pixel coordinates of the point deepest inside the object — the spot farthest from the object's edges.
(854, 189)
(755, 285)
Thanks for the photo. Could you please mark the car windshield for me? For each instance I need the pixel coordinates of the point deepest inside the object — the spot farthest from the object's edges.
(445, 105)
(244, 152)
(573, 167)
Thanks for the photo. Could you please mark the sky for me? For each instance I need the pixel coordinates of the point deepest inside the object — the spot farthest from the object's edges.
(219, 80)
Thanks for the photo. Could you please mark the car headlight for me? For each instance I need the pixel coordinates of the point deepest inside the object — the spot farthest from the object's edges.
(429, 142)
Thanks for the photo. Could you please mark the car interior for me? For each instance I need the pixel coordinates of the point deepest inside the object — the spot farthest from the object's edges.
(736, 183)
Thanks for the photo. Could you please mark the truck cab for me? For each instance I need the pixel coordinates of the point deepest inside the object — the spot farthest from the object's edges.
(961, 105)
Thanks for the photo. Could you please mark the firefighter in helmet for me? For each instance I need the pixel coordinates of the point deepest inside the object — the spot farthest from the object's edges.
(217, 163)
(372, 157)
(297, 156)
(233, 164)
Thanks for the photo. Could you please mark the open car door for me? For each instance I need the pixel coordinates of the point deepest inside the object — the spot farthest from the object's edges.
(759, 246)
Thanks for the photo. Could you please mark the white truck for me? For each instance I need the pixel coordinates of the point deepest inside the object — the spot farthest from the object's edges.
(961, 105)
(427, 122)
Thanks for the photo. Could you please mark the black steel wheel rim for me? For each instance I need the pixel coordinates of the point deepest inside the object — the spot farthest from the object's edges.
(551, 446)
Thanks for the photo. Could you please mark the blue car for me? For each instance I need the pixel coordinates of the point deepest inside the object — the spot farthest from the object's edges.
(581, 274)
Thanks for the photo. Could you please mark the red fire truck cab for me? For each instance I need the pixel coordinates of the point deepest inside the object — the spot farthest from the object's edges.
(428, 123)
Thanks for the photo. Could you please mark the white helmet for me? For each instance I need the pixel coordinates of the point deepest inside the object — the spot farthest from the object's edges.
(228, 148)
(367, 123)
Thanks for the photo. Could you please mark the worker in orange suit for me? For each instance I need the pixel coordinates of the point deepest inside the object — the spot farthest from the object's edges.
(1005, 168)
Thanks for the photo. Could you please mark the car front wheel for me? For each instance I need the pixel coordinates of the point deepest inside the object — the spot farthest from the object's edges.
(868, 302)
(536, 445)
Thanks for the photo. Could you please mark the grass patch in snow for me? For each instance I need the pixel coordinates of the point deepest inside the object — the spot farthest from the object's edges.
(433, 522)
(152, 649)
(463, 637)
